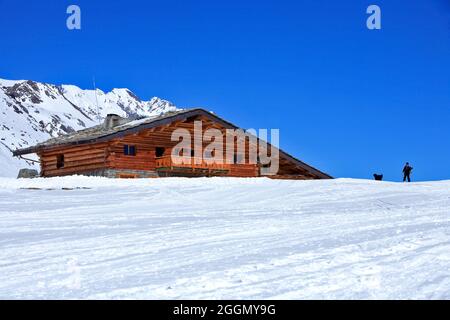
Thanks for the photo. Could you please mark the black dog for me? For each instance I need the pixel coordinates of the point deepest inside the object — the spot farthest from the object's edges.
(378, 177)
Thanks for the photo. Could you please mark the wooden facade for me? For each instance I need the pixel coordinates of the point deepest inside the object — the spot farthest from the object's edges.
(145, 151)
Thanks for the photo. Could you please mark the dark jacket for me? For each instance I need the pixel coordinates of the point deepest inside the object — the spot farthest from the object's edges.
(407, 169)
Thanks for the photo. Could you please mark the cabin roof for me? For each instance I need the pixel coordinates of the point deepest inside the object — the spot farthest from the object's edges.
(99, 133)
(95, 133)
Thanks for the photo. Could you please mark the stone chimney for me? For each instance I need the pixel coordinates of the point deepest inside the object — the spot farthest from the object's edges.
(113, 120)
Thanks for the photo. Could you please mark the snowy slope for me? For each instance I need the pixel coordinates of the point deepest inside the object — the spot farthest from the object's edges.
(214, 238)
(31, 112)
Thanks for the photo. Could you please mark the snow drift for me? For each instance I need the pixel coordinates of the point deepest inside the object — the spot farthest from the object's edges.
(179, 238)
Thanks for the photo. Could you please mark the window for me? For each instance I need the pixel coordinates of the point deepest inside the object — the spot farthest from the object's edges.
(60, 161)
(159, 151)
(129, 150)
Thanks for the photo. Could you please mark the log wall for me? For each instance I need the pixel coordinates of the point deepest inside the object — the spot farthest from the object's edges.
(77, 159)
(109, 156)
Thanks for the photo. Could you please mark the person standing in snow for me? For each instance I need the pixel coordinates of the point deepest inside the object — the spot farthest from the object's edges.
(407, 172)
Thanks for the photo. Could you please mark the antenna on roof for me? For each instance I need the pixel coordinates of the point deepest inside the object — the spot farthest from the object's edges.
(96, 101)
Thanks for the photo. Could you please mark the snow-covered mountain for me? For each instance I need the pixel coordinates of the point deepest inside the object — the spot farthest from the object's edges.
(32, 112)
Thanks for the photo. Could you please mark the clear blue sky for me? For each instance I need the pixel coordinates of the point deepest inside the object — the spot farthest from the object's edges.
(346, 99)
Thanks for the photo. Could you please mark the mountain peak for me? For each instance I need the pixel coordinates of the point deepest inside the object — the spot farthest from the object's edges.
(35, 111)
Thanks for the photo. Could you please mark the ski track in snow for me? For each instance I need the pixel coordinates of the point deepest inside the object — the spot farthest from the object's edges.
(224, 238)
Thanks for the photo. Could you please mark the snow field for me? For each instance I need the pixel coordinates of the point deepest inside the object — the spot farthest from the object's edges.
(223, 238)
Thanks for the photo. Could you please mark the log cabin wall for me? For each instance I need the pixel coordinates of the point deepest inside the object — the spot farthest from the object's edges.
(144, 159)
(108, 158)
(76, 159)
(146, 142)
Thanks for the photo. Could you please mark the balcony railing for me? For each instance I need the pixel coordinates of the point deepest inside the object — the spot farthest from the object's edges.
(166, 162)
